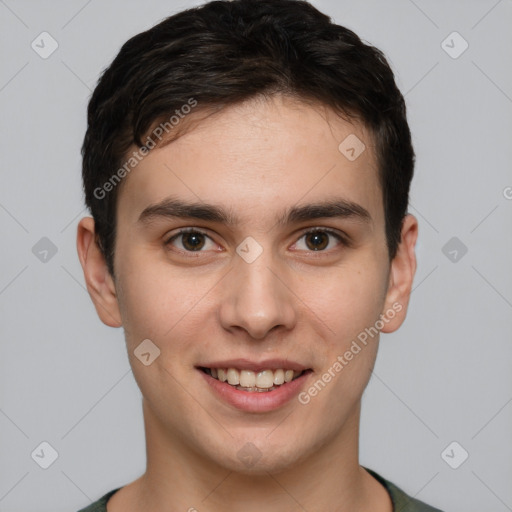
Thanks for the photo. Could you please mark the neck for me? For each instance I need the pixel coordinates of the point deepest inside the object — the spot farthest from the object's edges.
(179, 478)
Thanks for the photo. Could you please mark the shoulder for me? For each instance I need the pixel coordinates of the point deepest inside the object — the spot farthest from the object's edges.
(401, 501)
(100, 505)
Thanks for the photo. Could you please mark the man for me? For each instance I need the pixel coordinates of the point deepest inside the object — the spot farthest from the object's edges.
(247, 165)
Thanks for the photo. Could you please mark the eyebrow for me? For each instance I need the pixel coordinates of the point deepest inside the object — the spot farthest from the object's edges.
(176, 208)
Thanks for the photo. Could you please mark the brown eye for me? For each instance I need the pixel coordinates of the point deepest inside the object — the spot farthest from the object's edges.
(317, 240)
(190, 240)
(193, 241)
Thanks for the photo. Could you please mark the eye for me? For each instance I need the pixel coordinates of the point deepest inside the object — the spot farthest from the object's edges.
(320, 239)
(191, 240)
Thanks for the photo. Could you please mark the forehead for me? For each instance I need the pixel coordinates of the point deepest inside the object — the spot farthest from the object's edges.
(256, 158)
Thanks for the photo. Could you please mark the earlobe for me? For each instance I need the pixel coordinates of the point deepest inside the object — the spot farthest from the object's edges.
(100, 284)
(403, 268)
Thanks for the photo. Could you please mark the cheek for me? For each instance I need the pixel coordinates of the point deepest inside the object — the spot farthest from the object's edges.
(164, 307)
(347, 300)
(350, 308)
(151, 301)
(167, 306)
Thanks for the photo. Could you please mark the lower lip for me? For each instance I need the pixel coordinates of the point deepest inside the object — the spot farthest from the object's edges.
(255, 401)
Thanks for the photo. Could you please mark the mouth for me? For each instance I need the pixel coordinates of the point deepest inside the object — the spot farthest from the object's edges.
(250, 381)
(255, 387)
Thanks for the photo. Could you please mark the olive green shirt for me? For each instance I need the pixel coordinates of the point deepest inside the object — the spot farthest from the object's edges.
(401, 502)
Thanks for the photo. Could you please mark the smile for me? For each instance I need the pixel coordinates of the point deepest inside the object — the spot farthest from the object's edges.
(255, 387)
(250, 381)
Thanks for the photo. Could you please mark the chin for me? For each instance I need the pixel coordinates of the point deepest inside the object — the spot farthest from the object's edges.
(259, 455)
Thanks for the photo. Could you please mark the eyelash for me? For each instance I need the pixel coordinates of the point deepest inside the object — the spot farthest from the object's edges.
(330, 232)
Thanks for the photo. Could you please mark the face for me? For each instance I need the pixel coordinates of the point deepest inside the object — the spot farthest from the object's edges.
(253, 243)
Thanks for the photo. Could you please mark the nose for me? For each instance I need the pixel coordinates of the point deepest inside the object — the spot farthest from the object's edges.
(257, 298)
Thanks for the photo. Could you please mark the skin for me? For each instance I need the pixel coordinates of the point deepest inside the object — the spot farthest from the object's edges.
(256, 159)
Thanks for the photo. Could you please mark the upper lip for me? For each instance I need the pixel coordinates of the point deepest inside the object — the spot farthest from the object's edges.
(256, 366)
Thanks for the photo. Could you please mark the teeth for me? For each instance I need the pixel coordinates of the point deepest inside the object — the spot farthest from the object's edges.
(250, 381)
(279, 377)
(247, 379)
(255, 389)
(233, 377)
(265, 379)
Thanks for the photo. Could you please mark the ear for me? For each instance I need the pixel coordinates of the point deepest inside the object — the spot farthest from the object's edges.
(100, 283)
(403, 268)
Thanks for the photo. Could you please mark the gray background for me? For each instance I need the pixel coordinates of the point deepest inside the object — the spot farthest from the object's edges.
(444, 377)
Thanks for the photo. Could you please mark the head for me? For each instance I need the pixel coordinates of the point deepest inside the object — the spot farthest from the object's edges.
(240, 112)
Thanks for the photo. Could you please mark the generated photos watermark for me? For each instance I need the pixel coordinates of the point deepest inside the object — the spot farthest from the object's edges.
(343, 360)
(137, 156)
